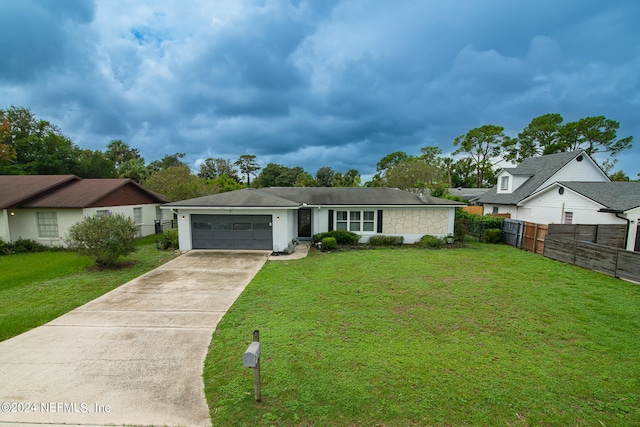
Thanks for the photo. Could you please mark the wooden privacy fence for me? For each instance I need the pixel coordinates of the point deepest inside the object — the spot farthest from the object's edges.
(473, 210)
(534, 236)
(605, 259)
(612, 235)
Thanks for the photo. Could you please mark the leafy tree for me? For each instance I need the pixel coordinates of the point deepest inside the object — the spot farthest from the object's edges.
(391, 159)
(482, 145)
(324, 176)
(541, 136)
(176, 183)
(214, 167)
(594, 134)
(411, 175)
(222, 184)
(95, 164)
(431, 155)
(289, 176)
(269, 175)
(104, 238)
(350, 179)
(32, 146)
(6, 150)
(120, 153)
(305, 180)
(619, 176)
(134, 169)
(463, 173)
(167, 161)
(248, 166)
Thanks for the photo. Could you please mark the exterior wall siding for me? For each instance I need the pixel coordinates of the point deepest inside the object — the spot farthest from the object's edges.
(585, 170)
(414, 223)
(547, 208)
(24, 224)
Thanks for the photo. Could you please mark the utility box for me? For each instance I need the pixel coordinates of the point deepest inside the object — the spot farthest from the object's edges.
(251, 357)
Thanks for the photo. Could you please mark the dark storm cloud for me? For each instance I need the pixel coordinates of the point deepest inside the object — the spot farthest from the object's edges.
(313, 84)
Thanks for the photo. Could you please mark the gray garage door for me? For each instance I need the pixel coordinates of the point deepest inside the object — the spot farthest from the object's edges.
(231, 232)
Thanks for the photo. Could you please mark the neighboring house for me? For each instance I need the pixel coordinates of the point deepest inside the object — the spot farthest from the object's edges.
(471, 195)
(271, 218)
(564, 188)
(43, 207)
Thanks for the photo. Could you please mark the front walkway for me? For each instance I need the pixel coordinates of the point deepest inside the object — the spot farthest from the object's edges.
(134, 355)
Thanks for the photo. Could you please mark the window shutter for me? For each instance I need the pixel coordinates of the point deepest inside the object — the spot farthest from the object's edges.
(330, 228)
(379, 230)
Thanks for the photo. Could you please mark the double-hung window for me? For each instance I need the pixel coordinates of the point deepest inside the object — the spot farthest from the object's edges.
(356, 221)
(47, 224)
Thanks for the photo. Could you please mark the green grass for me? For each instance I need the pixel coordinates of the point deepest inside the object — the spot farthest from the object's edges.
(487, 335)
(38, 287)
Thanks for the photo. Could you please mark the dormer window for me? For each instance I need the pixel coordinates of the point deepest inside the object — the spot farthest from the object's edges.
(504, 183)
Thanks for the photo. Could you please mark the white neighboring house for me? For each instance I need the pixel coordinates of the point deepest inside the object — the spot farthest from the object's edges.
(270, 218)
(565, 188)
(43, 207)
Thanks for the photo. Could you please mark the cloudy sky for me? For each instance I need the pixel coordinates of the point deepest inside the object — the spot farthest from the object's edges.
(337, 83)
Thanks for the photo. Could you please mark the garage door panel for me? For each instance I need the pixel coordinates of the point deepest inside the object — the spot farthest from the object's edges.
(232, 232)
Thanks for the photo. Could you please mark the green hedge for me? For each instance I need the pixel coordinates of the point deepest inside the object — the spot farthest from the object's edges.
(343, 237)
(475, 224)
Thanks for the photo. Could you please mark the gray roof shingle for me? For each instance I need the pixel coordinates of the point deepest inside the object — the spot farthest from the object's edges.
(539, 169)
(327, 196)
(617, 196)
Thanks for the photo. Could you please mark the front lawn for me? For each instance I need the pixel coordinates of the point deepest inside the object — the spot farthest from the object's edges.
(36, 288)
(487, 335)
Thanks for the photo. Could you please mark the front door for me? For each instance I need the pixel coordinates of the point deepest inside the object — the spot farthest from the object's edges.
(304, 223)
(637, 248)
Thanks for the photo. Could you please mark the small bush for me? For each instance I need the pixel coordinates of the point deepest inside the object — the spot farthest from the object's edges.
(432, 242)
(343, 237)
(492, 235)
(103, 238)
(23, 246)
(386, 240)
(329, 243)
(169, 239)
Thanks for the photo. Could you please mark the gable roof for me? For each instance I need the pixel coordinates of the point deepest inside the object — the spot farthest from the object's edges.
(62, 191)
(293, 197)
(538, 169)
(616, 196)
(18, 189)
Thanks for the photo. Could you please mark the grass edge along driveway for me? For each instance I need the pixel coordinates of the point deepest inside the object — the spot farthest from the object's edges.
(487, 335)
(38, 287)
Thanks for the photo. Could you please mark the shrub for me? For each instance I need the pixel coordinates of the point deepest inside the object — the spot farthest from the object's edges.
(429, 241)
(343, 237)
(386, 240)
(103, 238)
(169, 239)
(23, 246)
(492, 235)
(329, 243)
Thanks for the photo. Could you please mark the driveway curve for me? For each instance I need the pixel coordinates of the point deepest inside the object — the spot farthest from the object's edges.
(133, 356)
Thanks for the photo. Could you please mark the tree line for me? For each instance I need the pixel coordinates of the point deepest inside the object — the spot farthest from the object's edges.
(32, 146)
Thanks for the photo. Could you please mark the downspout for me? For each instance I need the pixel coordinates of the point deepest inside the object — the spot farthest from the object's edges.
(617, 214)
(626, 236)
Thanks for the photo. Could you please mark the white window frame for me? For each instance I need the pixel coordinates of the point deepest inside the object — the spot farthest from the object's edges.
(137, 216)
(504, 183)
(356, 220)
(47, 225)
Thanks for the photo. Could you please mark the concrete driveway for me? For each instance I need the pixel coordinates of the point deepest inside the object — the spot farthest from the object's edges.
(132, 356)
